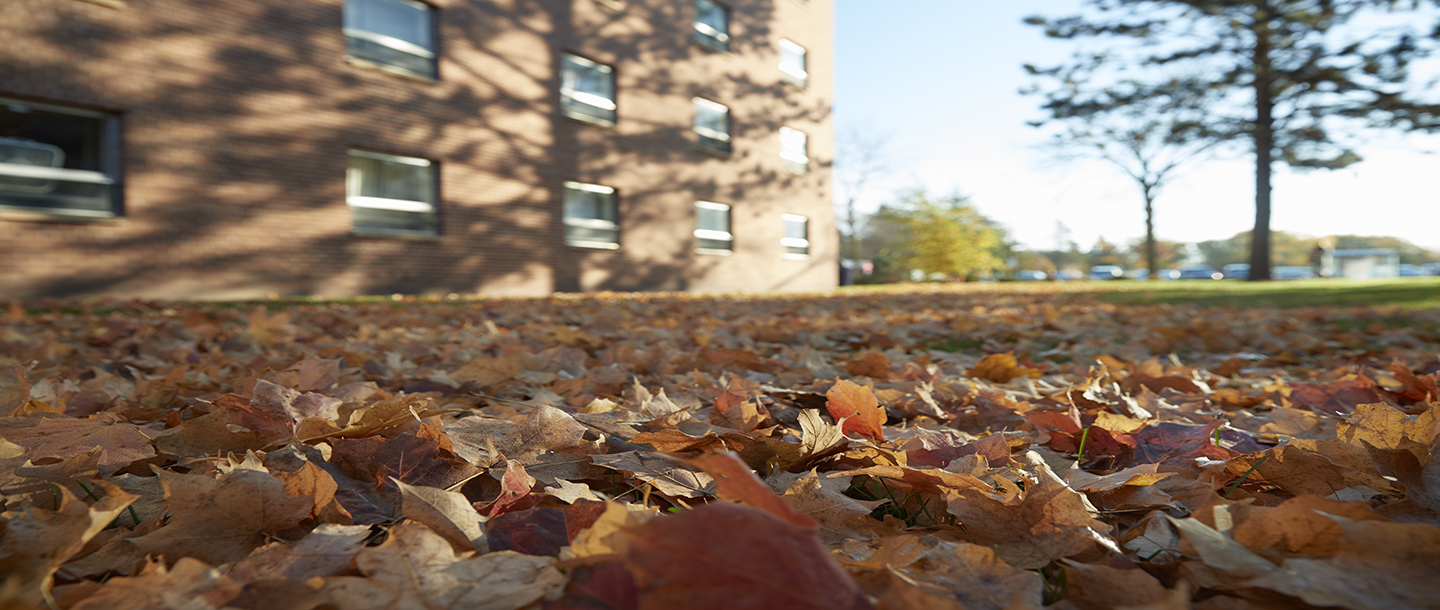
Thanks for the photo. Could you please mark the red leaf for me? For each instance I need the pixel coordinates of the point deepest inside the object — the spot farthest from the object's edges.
(731, 557)
(515, 488)
(535, 531)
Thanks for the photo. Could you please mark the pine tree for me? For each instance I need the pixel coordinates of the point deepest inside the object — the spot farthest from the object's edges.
(1292, 78)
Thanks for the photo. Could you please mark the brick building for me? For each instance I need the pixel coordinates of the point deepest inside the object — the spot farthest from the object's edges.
(208, 148)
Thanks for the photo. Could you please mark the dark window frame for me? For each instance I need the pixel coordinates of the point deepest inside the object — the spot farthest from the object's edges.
(369, 214)
(107, 171)
(576, 107)
(802, 78)
(706, 35)
(578, 224)
(704, 238)
(710, 140)
(359, 39)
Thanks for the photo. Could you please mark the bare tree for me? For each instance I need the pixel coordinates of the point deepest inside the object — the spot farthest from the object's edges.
(861, 156)
(1148, 143)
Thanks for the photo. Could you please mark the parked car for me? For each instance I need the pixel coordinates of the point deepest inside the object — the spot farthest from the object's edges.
(1169, 274)
(1031, 276)
(1413, 271)
(1292, 272)
(1106, 272)
(1236, 271)
(1199, 272)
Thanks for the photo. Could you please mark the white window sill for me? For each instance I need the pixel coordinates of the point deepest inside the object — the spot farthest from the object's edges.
(795, 257)
(710, 252)
(59, 215)
(593, 245)
(401, 72)
(401, 235)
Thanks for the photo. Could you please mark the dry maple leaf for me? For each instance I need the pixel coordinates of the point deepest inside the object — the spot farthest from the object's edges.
(1002, 368)
(446, 513)
(37, 541)
(1050, 522)
(699, 560)
(416, 568)
(858, 407)
(188, 585)
(220, 520)
(735, 482)
(668, 475)
(121, 442)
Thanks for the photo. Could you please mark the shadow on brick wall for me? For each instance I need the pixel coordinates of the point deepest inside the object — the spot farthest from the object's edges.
(237, 117)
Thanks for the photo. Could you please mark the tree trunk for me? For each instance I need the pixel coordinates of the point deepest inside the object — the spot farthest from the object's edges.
(1264, 150)
(1151, 259)
(854, 241)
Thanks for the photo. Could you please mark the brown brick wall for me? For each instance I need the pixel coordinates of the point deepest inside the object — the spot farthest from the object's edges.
(236, 118)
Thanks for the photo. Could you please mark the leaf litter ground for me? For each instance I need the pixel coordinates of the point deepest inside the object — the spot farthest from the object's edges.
(920, 448)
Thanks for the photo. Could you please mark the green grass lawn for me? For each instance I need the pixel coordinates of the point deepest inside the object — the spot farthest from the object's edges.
(1410, 292)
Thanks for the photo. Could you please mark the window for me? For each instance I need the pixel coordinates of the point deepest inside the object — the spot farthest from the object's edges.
(712, 123)
(59, 160)
(793, 150)
(792, 63)
(395, 34)
(797, 236)
(712, 228)
(590, 216)
(587, 90)
(712, 25)
(391, 195)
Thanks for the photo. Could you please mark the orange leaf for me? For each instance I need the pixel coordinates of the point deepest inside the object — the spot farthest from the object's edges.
(1001, 368)
(857, 402)
(736, 482)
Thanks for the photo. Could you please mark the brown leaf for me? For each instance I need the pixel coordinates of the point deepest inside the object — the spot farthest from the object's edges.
(668, 475)
(208, 436)
(1384, 427)
(220, 520)
(37, 541)
(837, 516)
(121, 442)
(735, 557)
(446, 513)
(873, 364)
(735, 482)
(1002, 368)
(1051, 521)
(311, 374)
(1100, 587)
(188, 585)
(484, 441)
(416, 568)
(857, 405)
(1336, 399)
(1378, 565)
(325, 551)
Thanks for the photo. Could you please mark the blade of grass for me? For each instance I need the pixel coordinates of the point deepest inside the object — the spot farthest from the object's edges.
(1245, 476)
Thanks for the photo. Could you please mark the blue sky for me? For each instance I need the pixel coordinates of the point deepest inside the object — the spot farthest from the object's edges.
(942, 78)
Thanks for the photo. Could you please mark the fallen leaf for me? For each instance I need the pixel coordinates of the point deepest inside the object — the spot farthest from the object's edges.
(416, 568)
(1002, 368)
(695, 560)
(220, 520)
(446, 513)
(38, 541)
(858, 407)
(121, 442)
